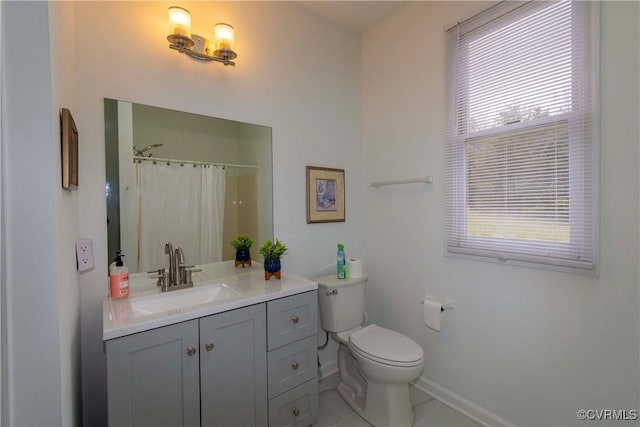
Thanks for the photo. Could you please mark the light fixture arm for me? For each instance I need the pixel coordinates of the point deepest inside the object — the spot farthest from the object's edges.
(203, 57)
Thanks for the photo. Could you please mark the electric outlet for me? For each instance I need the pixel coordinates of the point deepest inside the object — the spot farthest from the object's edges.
(84, 254)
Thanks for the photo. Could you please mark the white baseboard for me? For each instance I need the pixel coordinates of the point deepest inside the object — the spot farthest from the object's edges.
(460, 404)
(327, 370)
(328, 382)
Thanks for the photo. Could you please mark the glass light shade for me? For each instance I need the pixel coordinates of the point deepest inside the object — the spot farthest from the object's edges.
(179, 22)
(223, 37)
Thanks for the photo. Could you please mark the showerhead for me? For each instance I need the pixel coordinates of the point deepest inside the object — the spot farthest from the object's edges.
(147, 148)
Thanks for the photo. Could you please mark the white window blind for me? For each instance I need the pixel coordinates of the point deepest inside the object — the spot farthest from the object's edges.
(521, 151)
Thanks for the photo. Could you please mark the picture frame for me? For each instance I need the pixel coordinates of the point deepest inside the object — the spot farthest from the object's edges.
(325, 195)
(69, 150)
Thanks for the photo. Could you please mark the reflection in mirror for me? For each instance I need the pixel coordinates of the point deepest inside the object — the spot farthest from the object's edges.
(191, 180)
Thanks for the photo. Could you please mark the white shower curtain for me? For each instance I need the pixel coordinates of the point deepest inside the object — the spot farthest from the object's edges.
(183, 205)
(212, 213)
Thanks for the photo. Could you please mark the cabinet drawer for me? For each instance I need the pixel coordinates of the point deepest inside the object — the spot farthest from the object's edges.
(295, 408)
(292, 365)
(291, 319)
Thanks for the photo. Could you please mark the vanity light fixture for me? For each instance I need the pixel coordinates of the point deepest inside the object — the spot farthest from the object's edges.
(197, 46)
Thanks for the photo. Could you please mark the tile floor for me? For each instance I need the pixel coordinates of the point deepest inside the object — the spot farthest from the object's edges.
(428, 412)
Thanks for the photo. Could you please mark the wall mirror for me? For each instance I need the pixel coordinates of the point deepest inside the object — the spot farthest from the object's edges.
(178, 177)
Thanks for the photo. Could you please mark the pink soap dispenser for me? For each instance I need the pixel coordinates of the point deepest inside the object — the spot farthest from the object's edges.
(118, 278)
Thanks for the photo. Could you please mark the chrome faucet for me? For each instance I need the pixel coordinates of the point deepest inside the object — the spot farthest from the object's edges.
(179, 272)
(168, 249)
(179, 275)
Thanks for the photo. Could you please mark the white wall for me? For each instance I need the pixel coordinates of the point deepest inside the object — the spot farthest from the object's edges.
(3, 264)
(295, 73)
(40, 282)
(62, 43)
(530, 346)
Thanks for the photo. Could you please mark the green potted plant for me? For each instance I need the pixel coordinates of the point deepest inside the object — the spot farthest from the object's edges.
(271, 252)
(242, 243)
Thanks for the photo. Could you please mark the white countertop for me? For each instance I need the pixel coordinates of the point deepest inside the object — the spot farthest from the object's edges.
(247, 286)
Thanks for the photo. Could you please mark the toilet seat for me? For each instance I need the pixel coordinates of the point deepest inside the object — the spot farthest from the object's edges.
(343, 337)
(386, 346)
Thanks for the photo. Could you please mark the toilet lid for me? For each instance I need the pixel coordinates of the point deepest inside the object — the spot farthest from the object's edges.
(386, 345)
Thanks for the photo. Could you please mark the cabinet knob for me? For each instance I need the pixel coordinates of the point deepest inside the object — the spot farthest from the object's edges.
(209, 346)
(295, 365)
(295, 319)
(296, 412)
(191, 351)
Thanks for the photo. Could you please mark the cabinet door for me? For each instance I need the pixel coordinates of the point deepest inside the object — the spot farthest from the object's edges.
(153, 377)
(233, 368)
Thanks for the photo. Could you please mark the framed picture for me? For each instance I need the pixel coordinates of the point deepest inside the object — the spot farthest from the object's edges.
(325, 195)
(69, 147)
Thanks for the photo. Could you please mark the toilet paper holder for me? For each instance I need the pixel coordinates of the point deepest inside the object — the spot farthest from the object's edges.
(443, 305)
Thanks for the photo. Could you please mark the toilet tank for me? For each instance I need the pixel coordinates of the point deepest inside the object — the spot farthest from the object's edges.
(341, 302)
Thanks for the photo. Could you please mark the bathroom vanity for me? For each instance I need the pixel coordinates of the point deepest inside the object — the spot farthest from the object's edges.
(233, 350)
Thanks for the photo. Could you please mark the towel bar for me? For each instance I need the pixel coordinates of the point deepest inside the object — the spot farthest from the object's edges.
(425, 179)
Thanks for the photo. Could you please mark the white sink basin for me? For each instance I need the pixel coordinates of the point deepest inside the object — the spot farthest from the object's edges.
(175, 300)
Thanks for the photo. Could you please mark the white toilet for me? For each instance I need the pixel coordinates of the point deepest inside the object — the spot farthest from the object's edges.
(375, 364)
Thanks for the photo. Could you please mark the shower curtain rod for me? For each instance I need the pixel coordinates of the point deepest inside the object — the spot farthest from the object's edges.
(189, 162)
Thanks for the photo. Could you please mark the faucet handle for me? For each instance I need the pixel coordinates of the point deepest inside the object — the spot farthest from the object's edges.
(163, 279)
(158, 274)
(155, 273)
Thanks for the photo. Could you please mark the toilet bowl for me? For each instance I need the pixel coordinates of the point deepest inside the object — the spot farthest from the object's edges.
(385, 355)
(375, 367)
(375, 364)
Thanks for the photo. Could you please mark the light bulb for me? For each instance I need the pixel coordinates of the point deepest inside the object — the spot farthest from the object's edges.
(179, 22)
(223, 37)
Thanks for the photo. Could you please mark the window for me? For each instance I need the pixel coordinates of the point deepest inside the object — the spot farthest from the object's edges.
(521, 150)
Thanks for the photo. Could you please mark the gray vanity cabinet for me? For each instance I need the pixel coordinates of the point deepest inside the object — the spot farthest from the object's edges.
(233, 368)
(253, 366)
(154, 377)
(210, 371)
